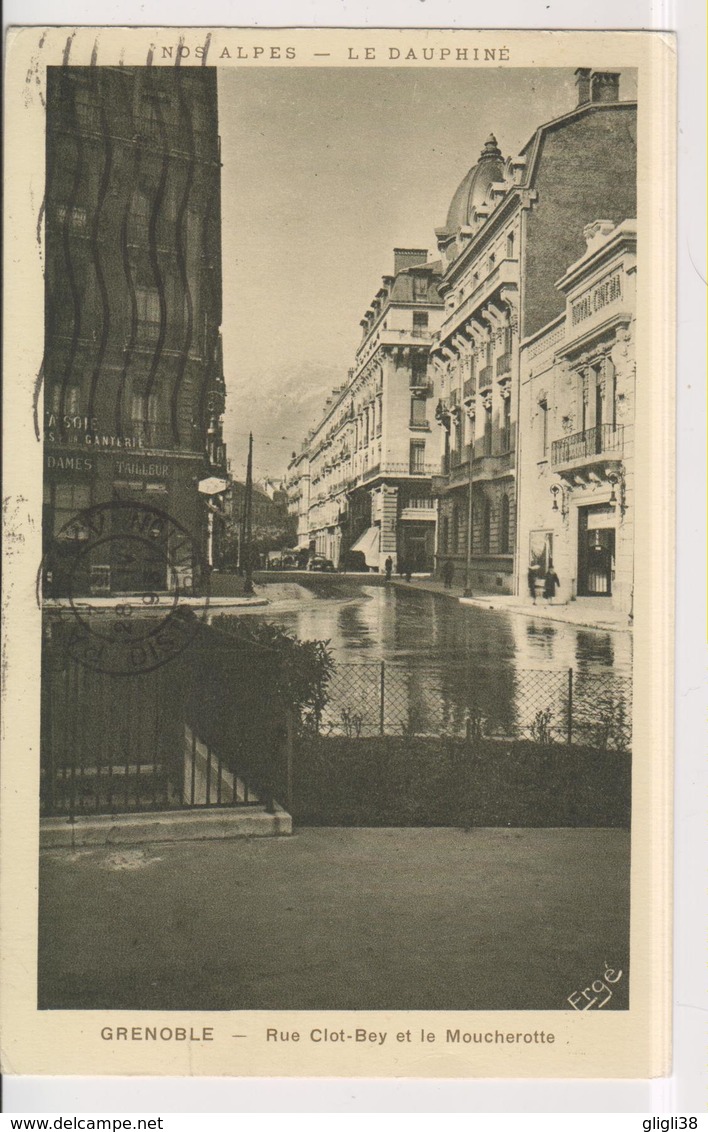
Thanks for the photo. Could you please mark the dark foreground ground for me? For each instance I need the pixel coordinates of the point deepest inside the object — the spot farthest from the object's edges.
(337, 919)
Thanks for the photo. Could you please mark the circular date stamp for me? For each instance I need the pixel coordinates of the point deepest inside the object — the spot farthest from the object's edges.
(125, 573)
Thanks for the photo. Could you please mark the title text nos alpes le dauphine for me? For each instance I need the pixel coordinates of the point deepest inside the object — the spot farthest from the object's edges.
(405, 53)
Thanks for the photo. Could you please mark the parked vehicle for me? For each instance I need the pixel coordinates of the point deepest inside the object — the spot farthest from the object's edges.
(323, 565)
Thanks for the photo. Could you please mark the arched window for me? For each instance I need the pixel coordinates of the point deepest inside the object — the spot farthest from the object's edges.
(504, 526)
(486, 527)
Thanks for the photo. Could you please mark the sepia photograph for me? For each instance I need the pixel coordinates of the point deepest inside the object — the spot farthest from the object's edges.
(343, 545)
(338, 539)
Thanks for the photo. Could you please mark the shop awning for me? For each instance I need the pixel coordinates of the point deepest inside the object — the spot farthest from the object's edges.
(368, 544)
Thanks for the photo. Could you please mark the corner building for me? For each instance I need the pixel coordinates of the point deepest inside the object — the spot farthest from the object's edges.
(364, 474)
(578, 396)
(513, 226)
(133, 372)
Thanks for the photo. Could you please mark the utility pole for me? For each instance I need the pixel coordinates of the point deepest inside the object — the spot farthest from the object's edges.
(246, 549)
(470, 509)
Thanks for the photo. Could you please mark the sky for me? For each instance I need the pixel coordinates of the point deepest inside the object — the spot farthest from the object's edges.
(325, 171)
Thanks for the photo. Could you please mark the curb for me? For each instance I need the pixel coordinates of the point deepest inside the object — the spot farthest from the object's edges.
(169, 825)
(545, 614)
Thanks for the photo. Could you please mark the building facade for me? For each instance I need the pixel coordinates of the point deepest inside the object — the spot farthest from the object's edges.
(576, 502)
(512, 228)
(297, 486)
(363, 477)
(133, 371)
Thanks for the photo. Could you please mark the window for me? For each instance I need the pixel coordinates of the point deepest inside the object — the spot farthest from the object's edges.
(72, 217)
(488, 351)
(504, 526)
(486, 527)
(69, 499)
(508, 339)
(420, 323)
(65, 401)
(145, 406)
(417, 457)
(506, 431)
(148, 303)
(455, 528)
(487, 430)
(492, 261)
(420, 286)
(543, 409)
(418, 411)
(510, 246)
(139, 220)
(419, 369)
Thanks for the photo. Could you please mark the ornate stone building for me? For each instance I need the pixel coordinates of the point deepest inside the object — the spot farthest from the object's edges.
(512, 228)
(576, 505)
(133, 372)
(297, 486)
(368, 461)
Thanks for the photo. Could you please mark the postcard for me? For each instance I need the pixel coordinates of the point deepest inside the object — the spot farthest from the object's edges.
(337, 730)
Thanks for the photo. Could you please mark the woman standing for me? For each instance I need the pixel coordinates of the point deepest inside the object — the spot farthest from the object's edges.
(552, 581)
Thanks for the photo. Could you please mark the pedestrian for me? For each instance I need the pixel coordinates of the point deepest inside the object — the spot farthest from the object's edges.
(532, 582)
(551, 582)
(448, 573)
(408, 570)
(388, 566)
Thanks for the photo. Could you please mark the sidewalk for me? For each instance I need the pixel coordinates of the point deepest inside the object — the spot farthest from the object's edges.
(336, 919)
(108, 604)
(574, 613)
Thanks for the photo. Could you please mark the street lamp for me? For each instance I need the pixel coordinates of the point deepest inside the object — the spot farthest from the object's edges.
(470, 509)
(559, 492)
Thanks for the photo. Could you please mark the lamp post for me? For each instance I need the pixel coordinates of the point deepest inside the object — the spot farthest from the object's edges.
(248, 520)
(468, 561)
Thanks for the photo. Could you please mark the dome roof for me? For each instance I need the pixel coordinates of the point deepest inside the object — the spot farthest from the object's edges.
(472, 191)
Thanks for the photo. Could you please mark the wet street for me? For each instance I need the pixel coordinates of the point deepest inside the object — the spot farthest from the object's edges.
(445, 661)
(413, 627)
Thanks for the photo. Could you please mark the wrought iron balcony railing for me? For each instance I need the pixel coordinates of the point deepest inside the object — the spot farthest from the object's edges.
(504, 364)
(605, 439)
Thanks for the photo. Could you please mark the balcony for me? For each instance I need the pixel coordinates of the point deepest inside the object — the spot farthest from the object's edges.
(469, 389)
(505, 274)
(421, 386)
(485, 377)
(504, 364)
(420, 426)
(484, 465)
(592, 446)
(419, 514)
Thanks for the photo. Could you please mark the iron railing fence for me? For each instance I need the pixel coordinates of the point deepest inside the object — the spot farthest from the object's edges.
(546, 706)
(113, 744)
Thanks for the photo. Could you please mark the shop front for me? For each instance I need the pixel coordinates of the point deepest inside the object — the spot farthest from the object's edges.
(149, 548)
(596, 550)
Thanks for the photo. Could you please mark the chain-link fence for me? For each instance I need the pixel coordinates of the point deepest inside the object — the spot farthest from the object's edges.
(546, 706)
